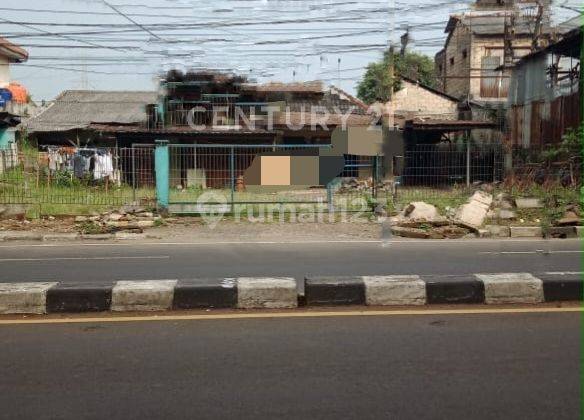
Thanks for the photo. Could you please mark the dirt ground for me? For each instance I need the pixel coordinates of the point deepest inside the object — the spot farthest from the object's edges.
(228, 230)
(195, 229)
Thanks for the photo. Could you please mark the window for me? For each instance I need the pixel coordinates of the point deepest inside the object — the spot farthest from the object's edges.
(464, 54)
(452, 61)
(493, 85)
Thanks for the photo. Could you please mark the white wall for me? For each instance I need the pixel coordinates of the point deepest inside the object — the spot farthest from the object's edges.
(4, 72)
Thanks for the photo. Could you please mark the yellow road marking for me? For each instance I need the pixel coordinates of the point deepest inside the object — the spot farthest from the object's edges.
(259, 315)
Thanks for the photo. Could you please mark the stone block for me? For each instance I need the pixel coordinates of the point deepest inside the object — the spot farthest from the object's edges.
(143, 295)
(526, 232)
(528, 203)
(24, 298)
(269, 293)
(394, 290)
(512, 288)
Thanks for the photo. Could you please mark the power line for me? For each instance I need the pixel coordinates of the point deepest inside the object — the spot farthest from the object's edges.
(133, 21)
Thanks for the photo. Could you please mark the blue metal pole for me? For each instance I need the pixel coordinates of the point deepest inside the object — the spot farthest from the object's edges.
(162, 168)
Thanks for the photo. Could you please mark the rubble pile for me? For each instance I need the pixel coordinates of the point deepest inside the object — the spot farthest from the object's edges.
(483, 215)
(129, 218)
(349, 185)
(423, 221)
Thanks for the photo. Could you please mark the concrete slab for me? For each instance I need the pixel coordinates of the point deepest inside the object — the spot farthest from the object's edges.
(61, 237)
(268, 292)
(24, 298)
(394, 290)
(528, 203)
(512, 288)
(497, 231)
(20, 236)
(526, 231)
(155, 295)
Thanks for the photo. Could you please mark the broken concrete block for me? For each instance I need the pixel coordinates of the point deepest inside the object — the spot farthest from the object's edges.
(498, 231)
(406, 232)
(528, 203)
(81, 219)
(115, 217)
(483, 198)
(472, 214)
(569, 219)
(421, 211)
(526, 232)
(145, 223)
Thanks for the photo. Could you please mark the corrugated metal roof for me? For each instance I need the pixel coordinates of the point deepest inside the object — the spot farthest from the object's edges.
(76, 109)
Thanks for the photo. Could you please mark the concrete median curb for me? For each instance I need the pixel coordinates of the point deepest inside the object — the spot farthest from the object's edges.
(506, 288)
(281, 292)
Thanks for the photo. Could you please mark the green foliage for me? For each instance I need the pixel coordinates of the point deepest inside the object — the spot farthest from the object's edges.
(65, 179)
(569, 148)
(377, 82)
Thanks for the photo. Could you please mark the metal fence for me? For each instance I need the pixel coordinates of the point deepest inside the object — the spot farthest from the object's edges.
(64, 180)
(60, 177)
(235, 175)
(449, 165)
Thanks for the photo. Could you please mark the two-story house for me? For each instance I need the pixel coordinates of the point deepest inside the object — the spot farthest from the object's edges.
(482, 41)
(9, 109)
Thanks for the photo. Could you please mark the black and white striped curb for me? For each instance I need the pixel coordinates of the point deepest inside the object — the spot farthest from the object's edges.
(490, 289)
(281, 292)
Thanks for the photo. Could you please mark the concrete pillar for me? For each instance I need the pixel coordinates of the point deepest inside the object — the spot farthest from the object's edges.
(162, 169)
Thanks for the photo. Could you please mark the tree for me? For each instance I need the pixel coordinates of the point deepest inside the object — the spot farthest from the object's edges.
(377, 81)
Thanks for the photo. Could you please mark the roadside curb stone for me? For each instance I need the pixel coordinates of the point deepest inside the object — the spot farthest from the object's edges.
(282, 292)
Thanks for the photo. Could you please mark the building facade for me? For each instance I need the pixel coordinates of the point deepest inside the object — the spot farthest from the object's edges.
(481, 42)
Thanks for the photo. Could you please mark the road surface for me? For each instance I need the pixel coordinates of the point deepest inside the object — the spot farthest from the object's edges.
(155, 261)
(470, 366)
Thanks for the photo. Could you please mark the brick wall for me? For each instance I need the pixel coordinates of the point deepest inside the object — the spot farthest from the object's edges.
(456, 60)
(459, 65)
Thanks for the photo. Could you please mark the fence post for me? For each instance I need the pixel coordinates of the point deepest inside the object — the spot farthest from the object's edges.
(232, 176)
(162, 169)
(133, 173)
(467, 160)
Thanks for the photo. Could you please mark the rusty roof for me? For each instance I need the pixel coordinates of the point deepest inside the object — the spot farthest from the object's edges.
(13, 51)
(447, 125)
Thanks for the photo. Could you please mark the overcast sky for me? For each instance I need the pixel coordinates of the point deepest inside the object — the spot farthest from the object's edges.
(76, 44)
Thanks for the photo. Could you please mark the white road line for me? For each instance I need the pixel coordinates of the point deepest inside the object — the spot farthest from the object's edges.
(565, 273)
(539, 252)
(152, 257)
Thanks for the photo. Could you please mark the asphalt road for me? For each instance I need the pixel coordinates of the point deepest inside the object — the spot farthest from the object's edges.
(141, 261)
(523, 366)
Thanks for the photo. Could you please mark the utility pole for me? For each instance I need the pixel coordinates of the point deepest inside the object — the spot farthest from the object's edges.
(405, 40)
(508, 52)
(538, 27)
